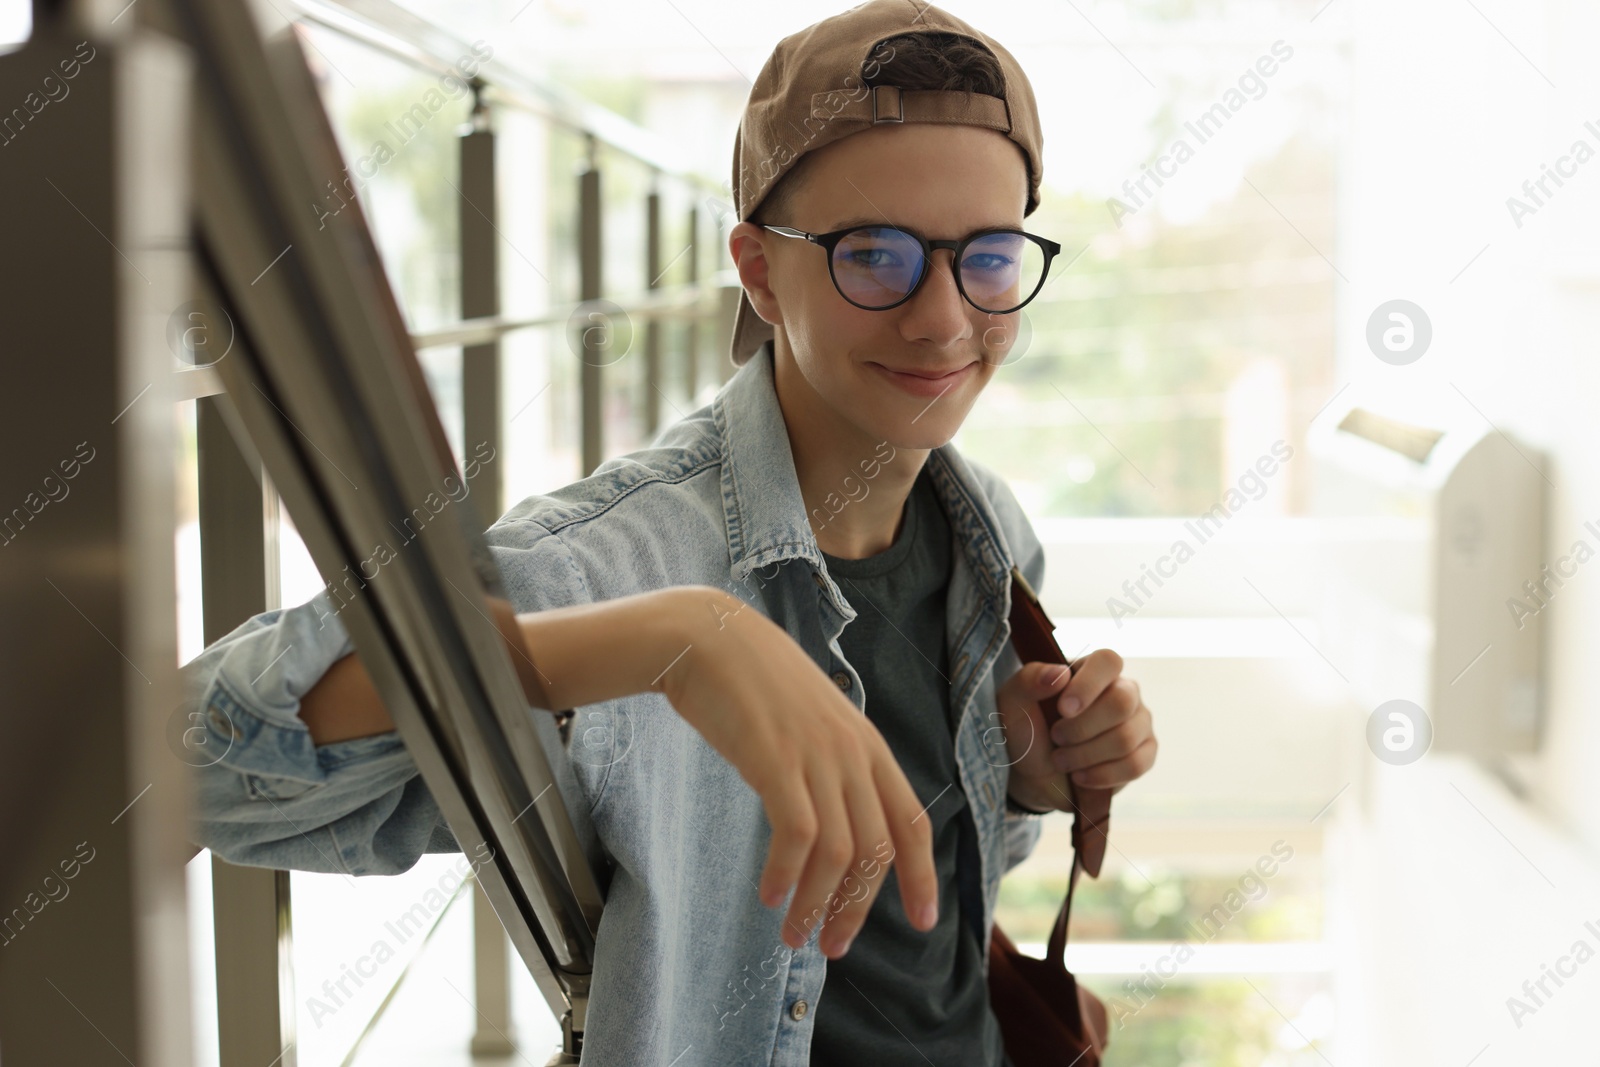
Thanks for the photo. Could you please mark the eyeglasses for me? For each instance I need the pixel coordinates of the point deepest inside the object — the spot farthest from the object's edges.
(879, 267)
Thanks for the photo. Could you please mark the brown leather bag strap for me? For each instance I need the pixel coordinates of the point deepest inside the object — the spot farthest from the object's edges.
(1090, 824)
(1056, 950)
(1033, 636)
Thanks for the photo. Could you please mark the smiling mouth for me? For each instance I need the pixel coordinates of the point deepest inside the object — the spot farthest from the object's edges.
(927, 384)
(926, 375)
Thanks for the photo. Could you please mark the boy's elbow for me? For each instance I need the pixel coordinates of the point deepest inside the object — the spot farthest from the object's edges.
(261, 844)
(387, 835)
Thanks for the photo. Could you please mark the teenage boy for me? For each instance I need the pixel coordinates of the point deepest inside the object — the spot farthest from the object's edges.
(816, 496)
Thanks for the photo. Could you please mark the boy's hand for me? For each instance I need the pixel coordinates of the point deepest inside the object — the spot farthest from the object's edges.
(1104, 738)
(840, 807)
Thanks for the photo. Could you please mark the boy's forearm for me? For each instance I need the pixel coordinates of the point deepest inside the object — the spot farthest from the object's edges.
(587, 653)
(569, 657)
(344, 704)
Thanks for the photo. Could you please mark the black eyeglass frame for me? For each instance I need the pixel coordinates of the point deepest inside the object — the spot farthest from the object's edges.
(829, 241)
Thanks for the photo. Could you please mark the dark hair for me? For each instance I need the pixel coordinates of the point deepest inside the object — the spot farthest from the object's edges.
(939, 60)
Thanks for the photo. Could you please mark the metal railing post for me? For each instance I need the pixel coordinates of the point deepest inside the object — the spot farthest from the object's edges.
(652, 330)
(495, 1034)
(691, 339)
(589, 288)
(238, 525)
(251, 912)
(479, 215)
(255, 965)
(480, 425)
(728, 306)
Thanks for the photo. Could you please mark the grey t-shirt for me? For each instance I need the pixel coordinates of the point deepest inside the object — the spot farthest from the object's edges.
(901, 996)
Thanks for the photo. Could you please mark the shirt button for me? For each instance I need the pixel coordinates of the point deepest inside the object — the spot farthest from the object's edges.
(797, 1010)
(842, 680)
(224, 724)
(816, 576)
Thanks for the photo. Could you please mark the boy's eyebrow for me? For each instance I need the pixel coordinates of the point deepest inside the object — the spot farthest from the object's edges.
(874, 220)
(862, 220)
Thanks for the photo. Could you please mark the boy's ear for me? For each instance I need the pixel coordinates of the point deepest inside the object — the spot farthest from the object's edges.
(750, 258)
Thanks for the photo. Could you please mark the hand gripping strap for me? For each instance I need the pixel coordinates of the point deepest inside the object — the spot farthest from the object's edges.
(1033, 636)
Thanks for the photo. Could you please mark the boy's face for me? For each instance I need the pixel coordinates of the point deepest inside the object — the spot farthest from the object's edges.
(941, 181)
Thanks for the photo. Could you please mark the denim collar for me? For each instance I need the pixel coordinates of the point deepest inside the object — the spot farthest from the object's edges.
(766, 515)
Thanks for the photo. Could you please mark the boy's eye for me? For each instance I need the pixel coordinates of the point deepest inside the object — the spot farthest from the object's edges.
(872, 257)
(987, 262)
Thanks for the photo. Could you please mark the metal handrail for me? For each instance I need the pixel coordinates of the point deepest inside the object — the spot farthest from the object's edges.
(673, 302)
(384, 27)
(389, 28)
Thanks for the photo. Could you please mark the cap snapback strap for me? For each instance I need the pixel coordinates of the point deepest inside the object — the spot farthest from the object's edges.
(890, 103)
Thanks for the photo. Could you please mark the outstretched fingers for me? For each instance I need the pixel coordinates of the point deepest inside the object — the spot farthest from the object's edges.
(911, 834)
(832, 849)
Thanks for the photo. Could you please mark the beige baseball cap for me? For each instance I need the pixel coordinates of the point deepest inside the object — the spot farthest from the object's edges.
(812, 91)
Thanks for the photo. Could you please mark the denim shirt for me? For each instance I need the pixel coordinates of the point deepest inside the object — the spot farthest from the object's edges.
(690, 967)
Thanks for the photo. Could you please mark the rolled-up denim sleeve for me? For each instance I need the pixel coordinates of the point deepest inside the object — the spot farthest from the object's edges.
(266, 795)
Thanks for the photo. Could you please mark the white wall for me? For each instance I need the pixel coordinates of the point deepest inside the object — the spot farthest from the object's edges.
(1453, 110)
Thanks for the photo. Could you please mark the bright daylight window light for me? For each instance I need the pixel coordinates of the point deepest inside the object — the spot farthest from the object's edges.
(16, 24)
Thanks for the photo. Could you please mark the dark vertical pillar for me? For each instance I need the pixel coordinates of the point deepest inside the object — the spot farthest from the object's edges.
(691, 341)
(480, 298)
(251, 916)
(587, 342)
(652, 334)
(93, 805)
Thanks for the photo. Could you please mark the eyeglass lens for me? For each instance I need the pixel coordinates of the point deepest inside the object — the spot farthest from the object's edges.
(876, 266)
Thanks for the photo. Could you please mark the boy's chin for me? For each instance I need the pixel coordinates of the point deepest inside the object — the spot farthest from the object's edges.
(921, 434)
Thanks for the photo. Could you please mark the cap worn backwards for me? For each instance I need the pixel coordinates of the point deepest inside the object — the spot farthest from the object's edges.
(812, 91)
